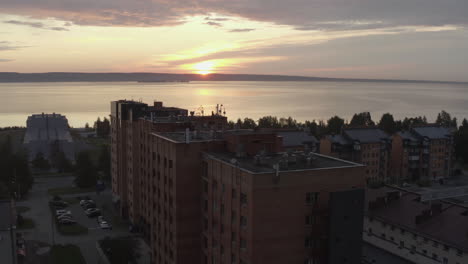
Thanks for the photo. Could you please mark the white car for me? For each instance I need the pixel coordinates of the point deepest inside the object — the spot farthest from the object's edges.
(105, 225)
(61, 217)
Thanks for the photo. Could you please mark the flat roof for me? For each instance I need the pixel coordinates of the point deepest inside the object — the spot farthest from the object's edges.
(179, 137)
(296, 161)
(450, 226)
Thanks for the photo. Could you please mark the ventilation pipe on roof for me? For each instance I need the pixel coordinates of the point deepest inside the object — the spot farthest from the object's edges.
(187, 136)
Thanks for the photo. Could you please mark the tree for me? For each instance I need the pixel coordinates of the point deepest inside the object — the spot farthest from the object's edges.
(288, 122)
(39, 162)
(102, 128)
(14, 169)
(248, 123)
(86, 174)
(335, 124)
(362, 119)
(62, 163)
(445, 119)
(268, 122)
(105, 162)
(411, 122)
(387, 123)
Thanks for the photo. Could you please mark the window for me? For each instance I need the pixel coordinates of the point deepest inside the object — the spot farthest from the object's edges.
(243, 243)
(312, 198)
(243, 220)
(307, 243)
(243, 198)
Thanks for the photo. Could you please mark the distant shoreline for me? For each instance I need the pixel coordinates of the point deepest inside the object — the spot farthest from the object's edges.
(12, 77)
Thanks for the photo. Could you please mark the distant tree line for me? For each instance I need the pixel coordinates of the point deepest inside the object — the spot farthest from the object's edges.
(15, 176)
(335, 124)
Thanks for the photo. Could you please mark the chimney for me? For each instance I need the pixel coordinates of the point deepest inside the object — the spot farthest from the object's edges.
(158, 104)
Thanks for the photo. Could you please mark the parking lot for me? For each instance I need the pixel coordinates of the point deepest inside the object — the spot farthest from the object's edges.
(45, 229)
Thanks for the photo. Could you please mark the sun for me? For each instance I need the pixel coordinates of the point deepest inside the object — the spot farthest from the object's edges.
(205, 67)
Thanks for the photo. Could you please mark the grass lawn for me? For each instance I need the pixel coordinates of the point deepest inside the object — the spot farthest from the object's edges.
(28, 223)
(22, 209)
(69, 254)
(72, 230)
(69, 190)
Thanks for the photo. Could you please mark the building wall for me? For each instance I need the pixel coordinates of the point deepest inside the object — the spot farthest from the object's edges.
(409, 245)
(261, 218)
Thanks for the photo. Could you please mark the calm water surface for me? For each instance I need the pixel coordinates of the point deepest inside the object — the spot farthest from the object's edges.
(84, 102)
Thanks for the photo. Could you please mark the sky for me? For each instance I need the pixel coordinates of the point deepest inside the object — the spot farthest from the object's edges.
(391, 39)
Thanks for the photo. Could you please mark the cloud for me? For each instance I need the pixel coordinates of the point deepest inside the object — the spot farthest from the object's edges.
(214, 24)
(241, 30)
(59, 28)
(34, 25)
(25, 23)
(301, 14)
(7, 45)
(219, 19)
(5, 60)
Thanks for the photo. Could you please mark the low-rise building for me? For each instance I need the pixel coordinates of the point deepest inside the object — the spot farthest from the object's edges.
(426, 232)
(368, 146)
(422, 154)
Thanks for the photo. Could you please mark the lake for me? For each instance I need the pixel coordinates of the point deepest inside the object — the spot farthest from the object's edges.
(83, 102)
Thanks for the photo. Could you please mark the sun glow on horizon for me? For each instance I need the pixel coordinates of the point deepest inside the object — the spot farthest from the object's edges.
(204, 67)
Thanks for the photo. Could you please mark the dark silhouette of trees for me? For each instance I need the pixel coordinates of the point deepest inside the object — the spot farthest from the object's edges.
(86, 173)
(387, 123)
(102, 128)
(362, 119)
(15, 175)
(445, 119)
(407, 123)
(39, 162)
(335, 124)
(104, 163)
(268, 122)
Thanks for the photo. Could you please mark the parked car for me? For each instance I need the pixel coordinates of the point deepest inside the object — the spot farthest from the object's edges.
(59, 203)
(92, 212)
(67, 222)
(89, 206)
(61, 211)
(63, 216)
(100, 219)
(105, 225)
(82, 202)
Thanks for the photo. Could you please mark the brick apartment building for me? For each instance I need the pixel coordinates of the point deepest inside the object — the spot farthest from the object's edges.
(368, 146)
(201, 194)
(422, 154)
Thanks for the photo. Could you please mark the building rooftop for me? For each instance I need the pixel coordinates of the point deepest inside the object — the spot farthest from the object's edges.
(193, 136)
(447, 222)
(406, 135)
(293, 161)
(433, 132)
(296, 138)
(366, 135)
(338, 139)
